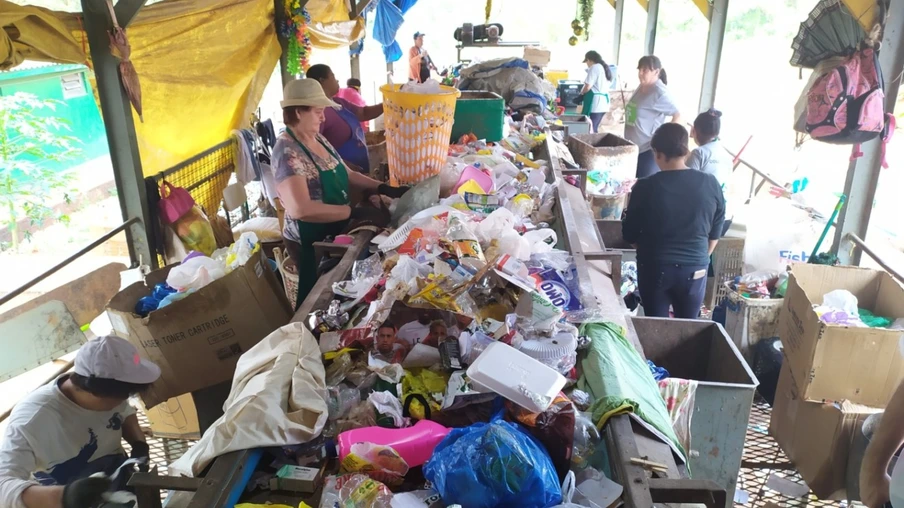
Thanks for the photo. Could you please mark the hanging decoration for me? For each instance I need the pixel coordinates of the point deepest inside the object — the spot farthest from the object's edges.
(585, 8)
(489, 8)
(297, 32)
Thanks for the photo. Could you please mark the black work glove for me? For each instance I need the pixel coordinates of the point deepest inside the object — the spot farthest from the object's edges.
(377, 216)
(392, 192)
(141, 450)
(85, 493)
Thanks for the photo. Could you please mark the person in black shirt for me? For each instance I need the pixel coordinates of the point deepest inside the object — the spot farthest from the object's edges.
(674, 219)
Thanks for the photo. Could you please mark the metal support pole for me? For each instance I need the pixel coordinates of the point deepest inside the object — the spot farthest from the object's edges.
(389, 73)
(355, 61)
(652, 21)
(617, 30)
(120, 126)
(863, 173)
(718, 15)
(279, 20)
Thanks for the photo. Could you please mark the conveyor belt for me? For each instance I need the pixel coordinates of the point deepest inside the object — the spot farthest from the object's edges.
(599, 272)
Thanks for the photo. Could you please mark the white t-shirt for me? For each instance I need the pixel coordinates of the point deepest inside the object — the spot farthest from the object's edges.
(596, 78)
(413, 332)
(712, 158)
(51, 440)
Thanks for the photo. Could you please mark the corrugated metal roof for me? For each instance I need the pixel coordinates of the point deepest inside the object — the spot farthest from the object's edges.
(30, 64)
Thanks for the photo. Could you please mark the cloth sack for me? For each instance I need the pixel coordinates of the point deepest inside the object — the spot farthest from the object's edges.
(275, 400)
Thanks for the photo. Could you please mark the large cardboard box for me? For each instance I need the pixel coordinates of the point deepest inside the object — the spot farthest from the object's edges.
(861, 365)
(816, 436)
(197, 341)
(176, 418)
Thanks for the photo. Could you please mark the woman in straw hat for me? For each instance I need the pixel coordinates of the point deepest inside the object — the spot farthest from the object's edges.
(314, 183)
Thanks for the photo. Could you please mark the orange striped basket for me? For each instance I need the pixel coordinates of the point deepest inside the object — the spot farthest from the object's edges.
(418, 128)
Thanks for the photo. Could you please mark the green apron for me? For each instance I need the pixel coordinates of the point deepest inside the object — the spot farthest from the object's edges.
(335, 192)
(587, 105)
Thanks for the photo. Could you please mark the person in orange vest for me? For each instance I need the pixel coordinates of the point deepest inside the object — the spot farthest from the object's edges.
(419, 62)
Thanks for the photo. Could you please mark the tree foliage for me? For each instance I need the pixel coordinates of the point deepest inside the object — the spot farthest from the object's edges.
(30, 137)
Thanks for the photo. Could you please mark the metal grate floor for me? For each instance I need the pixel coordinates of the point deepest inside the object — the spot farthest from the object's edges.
(764, 458)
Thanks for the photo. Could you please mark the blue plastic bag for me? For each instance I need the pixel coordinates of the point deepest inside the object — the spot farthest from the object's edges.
(493, 465)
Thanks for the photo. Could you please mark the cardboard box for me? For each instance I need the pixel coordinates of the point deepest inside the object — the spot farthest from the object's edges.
(296, 479)
(816, 436)
(176, 418)
(197, 341)
(537, 57)
(861, 365)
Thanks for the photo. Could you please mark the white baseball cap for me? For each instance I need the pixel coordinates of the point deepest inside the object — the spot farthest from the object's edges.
(112, 357)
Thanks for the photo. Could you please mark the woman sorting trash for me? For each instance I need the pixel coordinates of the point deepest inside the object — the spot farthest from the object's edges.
(342, 125)
(674, 220)
(595, 93)
(647, 110)
(313, 182)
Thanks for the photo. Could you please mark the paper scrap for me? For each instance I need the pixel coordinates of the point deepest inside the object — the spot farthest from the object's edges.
(422, 356)
(787, 487)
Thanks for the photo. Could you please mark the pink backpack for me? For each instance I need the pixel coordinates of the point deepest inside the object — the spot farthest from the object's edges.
(846, 106)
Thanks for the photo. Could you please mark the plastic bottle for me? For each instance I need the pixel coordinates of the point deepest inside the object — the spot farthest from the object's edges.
(467, 248)
(341, 400)
(414, 444)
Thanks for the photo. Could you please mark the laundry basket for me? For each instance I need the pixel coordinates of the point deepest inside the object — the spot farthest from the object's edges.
(289, 274)
(418, 129)
(728, 263)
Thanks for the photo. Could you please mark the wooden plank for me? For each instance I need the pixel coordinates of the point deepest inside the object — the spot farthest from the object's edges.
(622, 447)
(36, 337)
(322, 292)
(665, 490)
(85, 297)
(153, 480)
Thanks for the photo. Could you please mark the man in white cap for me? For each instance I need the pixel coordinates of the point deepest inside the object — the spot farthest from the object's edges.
(65, 431)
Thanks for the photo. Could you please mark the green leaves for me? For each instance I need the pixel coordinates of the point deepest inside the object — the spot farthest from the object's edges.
(30, 137)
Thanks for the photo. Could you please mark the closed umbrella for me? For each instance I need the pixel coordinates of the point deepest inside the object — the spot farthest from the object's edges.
(829, 31)
(119, 46)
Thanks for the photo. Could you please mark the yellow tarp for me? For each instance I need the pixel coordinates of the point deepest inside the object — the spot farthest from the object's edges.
(37, 35)
(203, 65)
(330, 24)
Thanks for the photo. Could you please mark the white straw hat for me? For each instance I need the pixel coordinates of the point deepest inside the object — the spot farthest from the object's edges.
(305, 92)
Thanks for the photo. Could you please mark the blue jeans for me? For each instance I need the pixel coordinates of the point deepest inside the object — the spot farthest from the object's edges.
(595, 120)
(646, 164)
(667, 285)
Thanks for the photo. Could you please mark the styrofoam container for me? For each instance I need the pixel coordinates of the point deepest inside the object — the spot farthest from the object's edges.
(516, 376)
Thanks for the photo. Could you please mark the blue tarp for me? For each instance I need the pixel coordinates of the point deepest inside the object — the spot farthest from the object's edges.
(388, 20)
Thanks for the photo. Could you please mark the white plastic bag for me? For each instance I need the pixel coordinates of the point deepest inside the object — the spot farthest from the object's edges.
(541, 240)
(778, 234)
(195, 273)
(842, 299)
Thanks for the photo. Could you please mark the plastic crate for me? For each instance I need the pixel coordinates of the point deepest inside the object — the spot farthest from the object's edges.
(480, 113)
(728, 263)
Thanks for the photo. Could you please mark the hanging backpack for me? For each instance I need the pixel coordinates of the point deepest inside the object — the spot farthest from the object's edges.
(846, 105)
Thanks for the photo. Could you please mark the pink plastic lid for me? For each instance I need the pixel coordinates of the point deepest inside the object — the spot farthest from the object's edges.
(344, 240)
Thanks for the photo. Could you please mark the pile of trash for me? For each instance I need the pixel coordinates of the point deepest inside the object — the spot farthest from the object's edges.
(413, 343)
(197, 271)
(760, 285)
(841, 308)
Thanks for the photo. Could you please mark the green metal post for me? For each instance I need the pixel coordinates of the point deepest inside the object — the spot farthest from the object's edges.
(617, 30)
(863, 173)
(652, 22)
(118, 122)
(279, 12)
(718, 17)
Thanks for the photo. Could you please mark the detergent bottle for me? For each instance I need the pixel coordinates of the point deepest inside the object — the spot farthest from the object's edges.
(414, 444)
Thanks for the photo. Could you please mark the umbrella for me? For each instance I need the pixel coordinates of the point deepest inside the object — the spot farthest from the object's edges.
(830, 30)
(119, 45)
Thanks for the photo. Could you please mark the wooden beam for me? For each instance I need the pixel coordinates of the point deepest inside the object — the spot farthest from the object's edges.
(126, 10)
(279, 21)
(359, 9)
